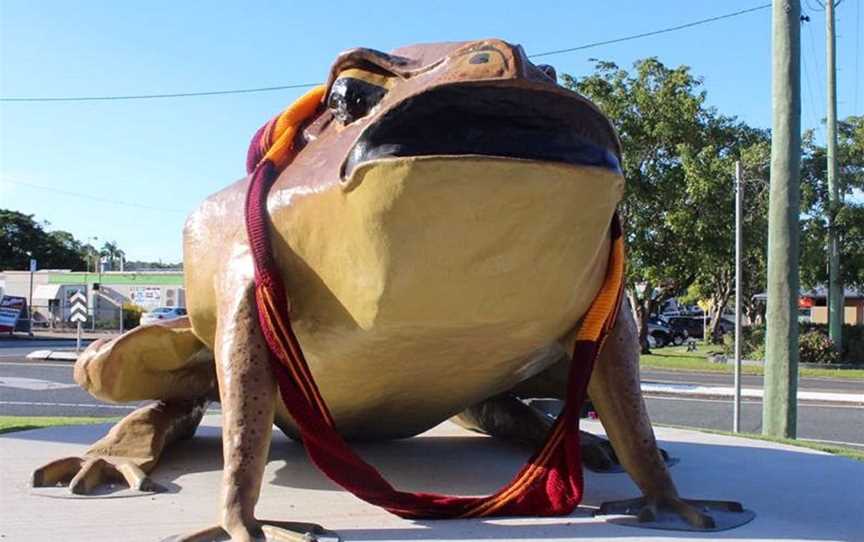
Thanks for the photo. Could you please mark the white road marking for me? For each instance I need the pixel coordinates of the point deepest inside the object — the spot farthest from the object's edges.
(81, 405)
(210, 410)
(746, 400)
(723, 391)
(33, 384)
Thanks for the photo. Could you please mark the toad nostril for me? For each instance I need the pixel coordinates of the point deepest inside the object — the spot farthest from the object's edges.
(479, 58)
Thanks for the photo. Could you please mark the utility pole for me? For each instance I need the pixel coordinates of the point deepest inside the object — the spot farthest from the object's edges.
(739, 251)
(779, 407)
(835, 283)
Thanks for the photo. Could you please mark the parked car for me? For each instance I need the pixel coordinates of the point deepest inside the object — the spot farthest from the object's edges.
(162, 314)
(694, 325)
(660, 332)
(677, 331)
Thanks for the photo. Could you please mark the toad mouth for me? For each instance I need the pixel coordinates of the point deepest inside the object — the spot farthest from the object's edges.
(496, 121)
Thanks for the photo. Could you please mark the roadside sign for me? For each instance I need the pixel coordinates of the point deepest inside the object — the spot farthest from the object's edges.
(32, 265)
(11, 309)
(78, 312)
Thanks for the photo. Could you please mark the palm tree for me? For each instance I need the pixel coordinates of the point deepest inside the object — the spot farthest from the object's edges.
(89, 253)
(111, 251)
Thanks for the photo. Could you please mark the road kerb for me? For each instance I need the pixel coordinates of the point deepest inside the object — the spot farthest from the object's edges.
(699, 391)
(53, 355)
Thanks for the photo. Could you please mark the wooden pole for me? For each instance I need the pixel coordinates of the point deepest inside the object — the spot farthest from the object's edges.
(779, 407)
(739, 243)
(835, 282)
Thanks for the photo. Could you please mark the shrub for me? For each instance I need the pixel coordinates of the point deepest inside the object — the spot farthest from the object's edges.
(131, 315)
(753, 339)
(816, 347)
(853, 344)
(754, 344)
(853, 341)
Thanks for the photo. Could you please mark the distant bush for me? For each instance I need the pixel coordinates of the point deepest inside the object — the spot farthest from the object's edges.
(853, 341)
(131, 315)
(753, 342)
(812, 342)
(815, 347)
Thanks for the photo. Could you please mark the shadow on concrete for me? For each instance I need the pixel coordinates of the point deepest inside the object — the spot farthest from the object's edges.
(797, 494)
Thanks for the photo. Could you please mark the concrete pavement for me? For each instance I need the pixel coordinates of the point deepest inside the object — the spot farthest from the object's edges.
(797, 494)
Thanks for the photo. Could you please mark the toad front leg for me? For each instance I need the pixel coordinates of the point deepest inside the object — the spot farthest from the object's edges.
(247, 389)
(615, 390)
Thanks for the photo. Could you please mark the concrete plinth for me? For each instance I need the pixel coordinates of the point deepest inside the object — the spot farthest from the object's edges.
(797, 494)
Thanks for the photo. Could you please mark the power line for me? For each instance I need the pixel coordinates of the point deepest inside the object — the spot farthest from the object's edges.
(857, 52)
(816, 68)
(155, 96)
(653, 32)
(307, 85)
(92, 197)
(812, 107)
(814, 118)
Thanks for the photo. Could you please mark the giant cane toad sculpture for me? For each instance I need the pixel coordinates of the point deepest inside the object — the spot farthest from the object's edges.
(443, 233)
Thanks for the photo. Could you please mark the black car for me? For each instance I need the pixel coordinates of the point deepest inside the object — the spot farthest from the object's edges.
(665, 332)
(694, 325)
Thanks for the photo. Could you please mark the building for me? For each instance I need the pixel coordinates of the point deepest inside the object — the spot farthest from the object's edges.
(813, 306)
(106, 292)
(815, 301)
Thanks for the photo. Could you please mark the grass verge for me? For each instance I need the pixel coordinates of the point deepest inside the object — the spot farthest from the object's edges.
(851, 453)
(9, 424)
(677, 358)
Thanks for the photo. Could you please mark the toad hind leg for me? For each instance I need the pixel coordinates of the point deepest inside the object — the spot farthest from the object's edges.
(507, 417)
(247, 389)
(165, 363)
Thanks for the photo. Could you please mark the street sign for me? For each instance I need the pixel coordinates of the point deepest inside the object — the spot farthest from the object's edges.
(33, 264)
(79, 307)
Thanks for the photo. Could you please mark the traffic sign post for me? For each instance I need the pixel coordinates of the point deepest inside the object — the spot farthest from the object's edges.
(78, 314)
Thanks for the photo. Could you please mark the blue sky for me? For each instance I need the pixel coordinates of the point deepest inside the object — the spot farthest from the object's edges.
(165, 156)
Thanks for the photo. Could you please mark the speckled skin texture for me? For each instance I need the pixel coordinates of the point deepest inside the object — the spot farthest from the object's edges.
(415, 344)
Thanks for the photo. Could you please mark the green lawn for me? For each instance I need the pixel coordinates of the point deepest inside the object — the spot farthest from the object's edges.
(23, 423)
(677, 358)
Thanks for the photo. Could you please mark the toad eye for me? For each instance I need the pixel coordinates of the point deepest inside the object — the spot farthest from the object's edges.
(355, 92)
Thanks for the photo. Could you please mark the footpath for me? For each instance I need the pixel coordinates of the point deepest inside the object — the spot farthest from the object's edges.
(795, 494)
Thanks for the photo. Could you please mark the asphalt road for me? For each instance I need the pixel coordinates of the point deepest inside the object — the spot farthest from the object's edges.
(12, 349)
(837, 385)
(48, 389)
(837, 424)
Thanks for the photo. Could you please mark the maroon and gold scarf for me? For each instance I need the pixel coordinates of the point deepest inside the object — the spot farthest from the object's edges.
(551, 481)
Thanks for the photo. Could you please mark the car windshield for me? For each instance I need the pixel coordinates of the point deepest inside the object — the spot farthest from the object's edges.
(161, 310)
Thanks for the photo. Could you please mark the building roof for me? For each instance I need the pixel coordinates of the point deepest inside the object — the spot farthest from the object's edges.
(821, 292)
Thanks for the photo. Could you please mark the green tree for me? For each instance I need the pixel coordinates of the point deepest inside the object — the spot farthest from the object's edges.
(22, 238)
(814, 206)
(656, 110)
(112, 252)
(706, 220)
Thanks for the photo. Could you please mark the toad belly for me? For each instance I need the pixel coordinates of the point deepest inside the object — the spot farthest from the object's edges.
(436, 282)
